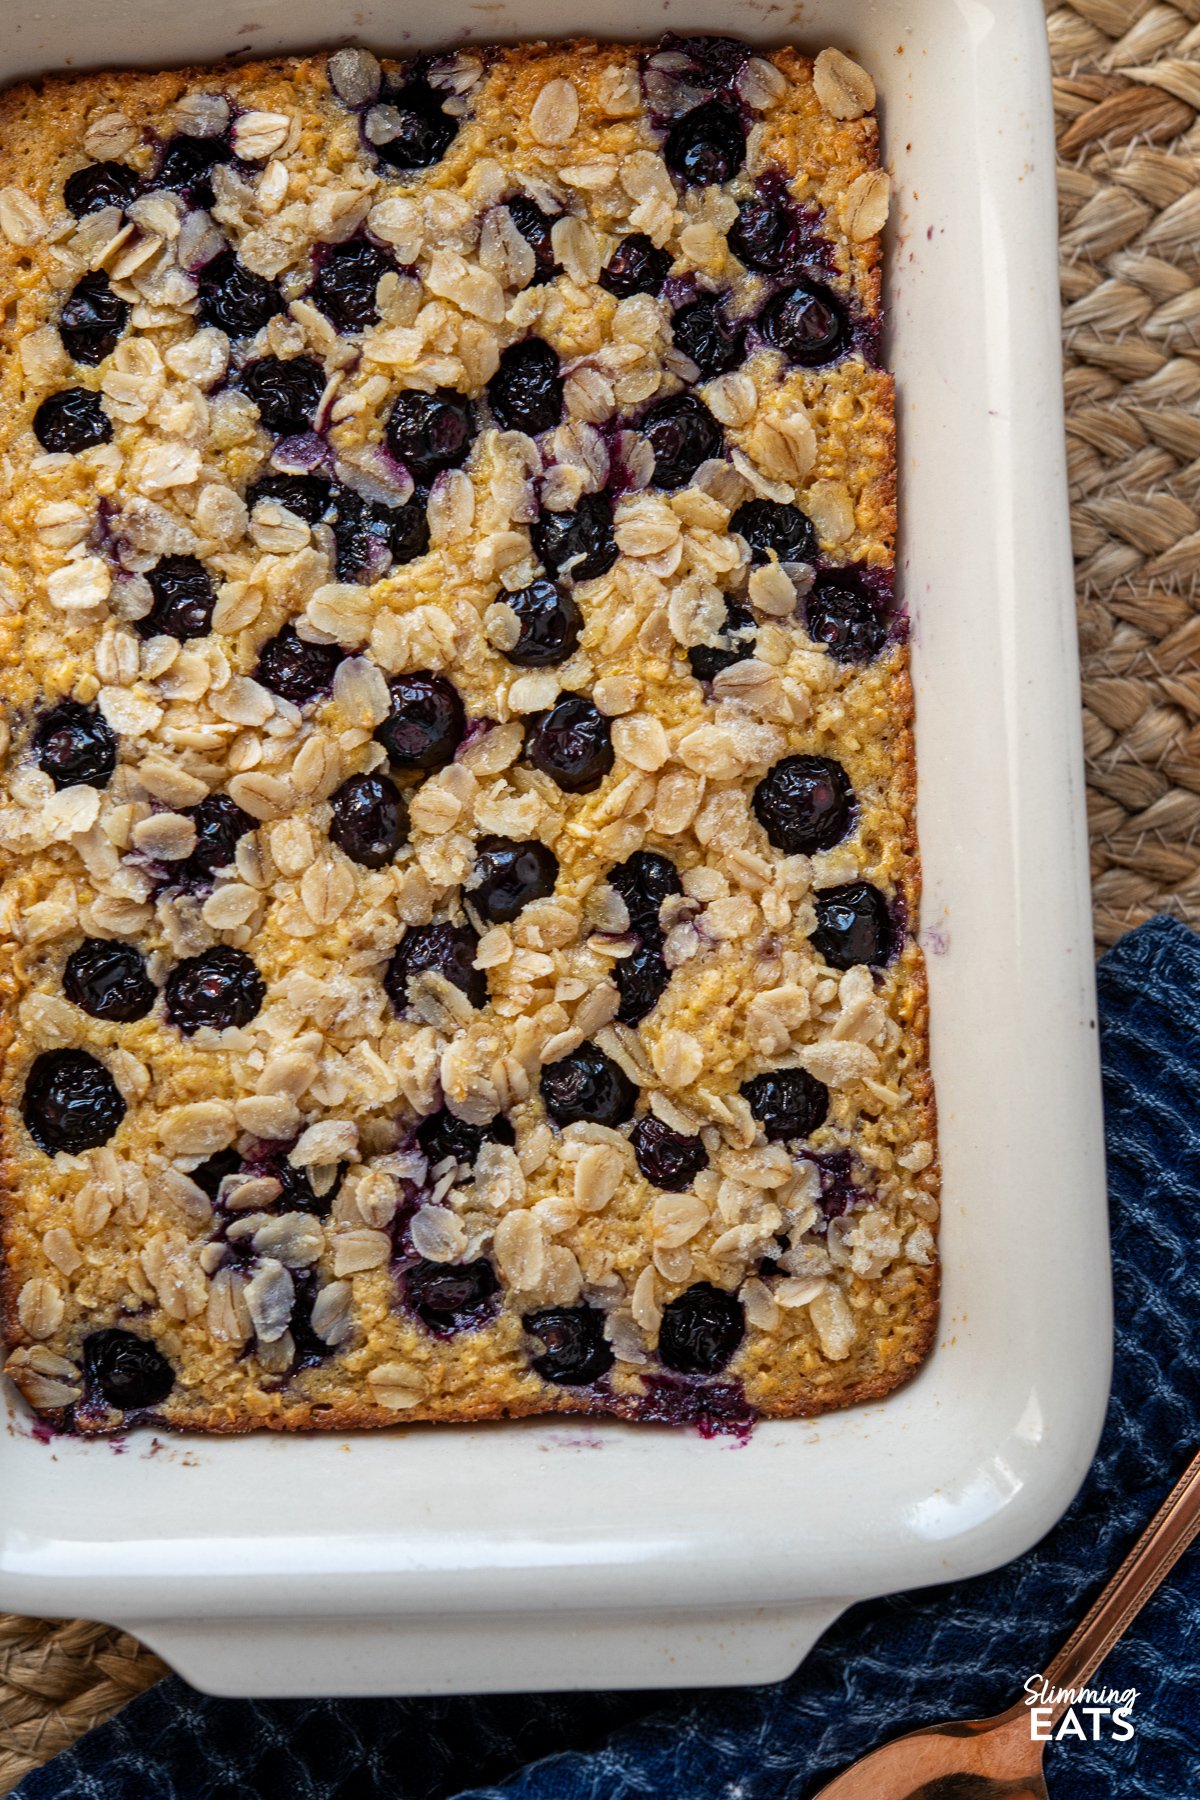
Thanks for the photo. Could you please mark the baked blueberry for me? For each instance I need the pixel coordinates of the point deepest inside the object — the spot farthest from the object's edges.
(295, 669)
(572, 743)
(845, 617)
(426, 723)
(75, 746)
(636, 266)
(212, 1171)
(641, 980)
(509, 875)
(184, 597)
(126, 1370)
(526, 392)
(186, 166)
(92, 319)
(668, 1158)
(702, 331)
(370, 537)
(706, 661)
(578, 545)
(438, 949)
(448, 1296)
(575, 1351)
(535, 227)
(219, 822)
(772, 527)
(370, 820)
(788, 1103)
(307, 496)
(765, 236)
(286, 391)
(806, 322)
(441, 1135)
(234, 298)
(587, 1085)
(70, 421)
(296, 1191)
(107, 978)
(706, 145)
(701, 1328)
(430, 432)
(550, 625)
(644, 881)
(682, 434)
(98, 185)
(71, 1102)
(805, 804)
(219, 988)
(423, 132)
(346, 280)
(307, 1348)
(854, 925)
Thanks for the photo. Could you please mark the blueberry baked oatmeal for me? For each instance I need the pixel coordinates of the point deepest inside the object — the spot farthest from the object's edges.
(459, 870)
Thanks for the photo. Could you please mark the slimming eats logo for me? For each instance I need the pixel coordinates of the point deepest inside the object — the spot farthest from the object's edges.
(1107, 1710)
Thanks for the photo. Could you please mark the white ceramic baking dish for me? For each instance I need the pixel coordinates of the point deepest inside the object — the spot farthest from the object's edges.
(546, 1555)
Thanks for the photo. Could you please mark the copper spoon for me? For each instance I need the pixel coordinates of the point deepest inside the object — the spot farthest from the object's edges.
(999, 1759)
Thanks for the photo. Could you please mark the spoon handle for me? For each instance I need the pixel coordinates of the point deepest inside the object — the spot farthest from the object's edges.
(1156, 1552)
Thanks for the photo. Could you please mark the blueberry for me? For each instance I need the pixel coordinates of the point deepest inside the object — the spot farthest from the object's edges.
(806, 322)
(535, 227)
(641, 980)
(426, 723)
(550, 625)
(286, 391)
(108, 979)
(308, 1348)
(526, 392)
(578, 545)
(670, 1159)
(307, 496)
(706, 661)
(212, 1171)
(853, 926)
(184, 597)
(347, 278)
(764, 236)
(510, 875)
(701, 1328)
(702, 331)
(99, 185)
(296, 1192)
(370, 820)
(575, 1351)
(71, 1102)
(425, 132)
(430, 432)
(371, 537)
(644, 881)
(70, 421)
(572, 743)
(805, 804)
(219, 988)
(707, 144)
(75, 746)
(128, 1371)
(219, 822)
(774, 526)
(845, 617)
(234, 298)
(682, 434)
(296, 670)
(441, 1135)
(438, 949)
(406, 529)
(92, 319)
(448, 1296)
(186, 166)
(587, 1085)
(788, 1103)
(636, 266)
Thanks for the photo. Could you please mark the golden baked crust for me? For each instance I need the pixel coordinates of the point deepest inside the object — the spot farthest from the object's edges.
(828, 1243)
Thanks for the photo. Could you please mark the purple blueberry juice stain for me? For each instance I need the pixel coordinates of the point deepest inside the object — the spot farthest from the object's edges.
(714, 1409)
(839, 1194)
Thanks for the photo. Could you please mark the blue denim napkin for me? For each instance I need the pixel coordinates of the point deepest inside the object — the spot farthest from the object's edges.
(887, 1665)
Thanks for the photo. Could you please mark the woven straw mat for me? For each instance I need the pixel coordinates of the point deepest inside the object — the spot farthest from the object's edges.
(1127, 99)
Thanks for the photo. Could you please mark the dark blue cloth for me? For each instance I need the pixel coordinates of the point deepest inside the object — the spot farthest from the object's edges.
(885, 1666)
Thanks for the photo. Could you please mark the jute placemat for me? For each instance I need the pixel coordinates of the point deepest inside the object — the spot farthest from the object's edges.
(1127, 96)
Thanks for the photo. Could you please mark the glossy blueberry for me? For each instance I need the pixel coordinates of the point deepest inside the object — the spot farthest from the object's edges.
(644, 881)
(587, 1085)
(425, 132)
(575, 1351)
(774, 526)
(854, 925)
(706, 145)
(510, 875)
(439, 949)
(186, 166)
(75, 746)
(234, 298)
(641, 980)
(572, 743)
(636, 266)
(126, 1370)
(526, 392)
(370, 537)
(788, 1103)
(441, 1135)
(550, 625)
(70, 421)
(308, 1350)
(764, 236)
(184, 597)
(808, 323)
(670, 1159)
(220, 823)
(92, 319)
(286, 391)
(682, 434)
(219, 988)
(307, 496)
(845, 617)
(706, 661)
(430, 432)
(212, 1171)
(448, 1296)
(578, 545)
(296, 670)
(107, 978)
(535, 227)
(426, 723)
(370, 820)
(99, 185)
(71, 1102)
(296, 1192)
(346, 281)
(702, 331)
(805, 804)
(700, 1330)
